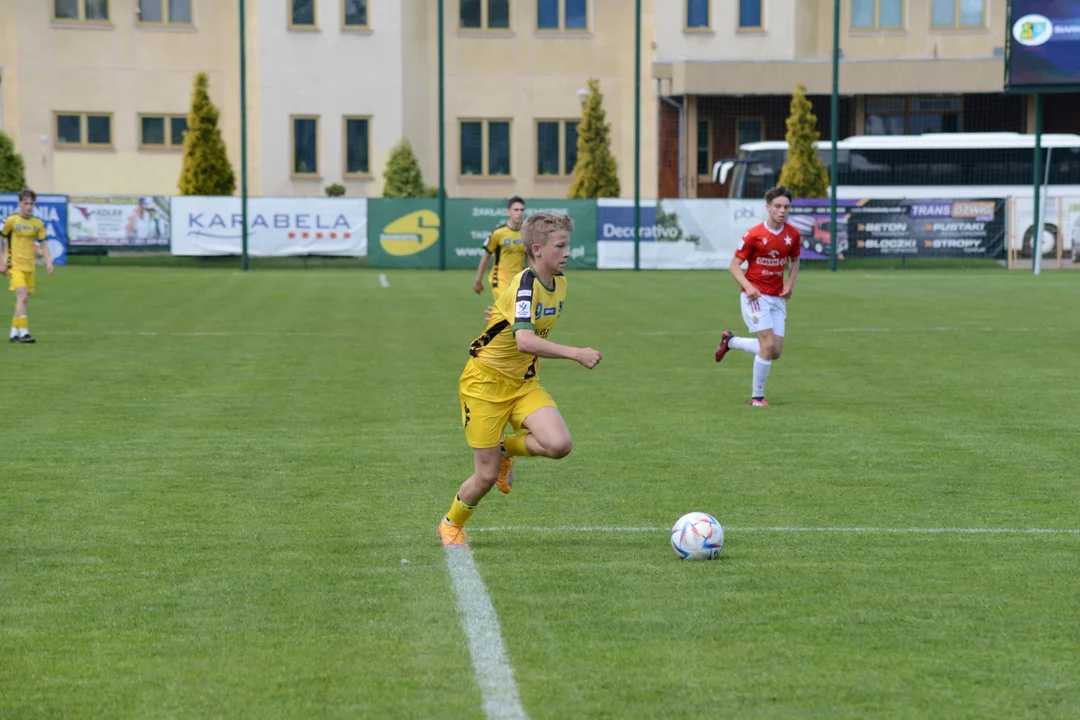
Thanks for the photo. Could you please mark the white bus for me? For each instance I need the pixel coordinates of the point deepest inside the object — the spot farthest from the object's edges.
(938, 165)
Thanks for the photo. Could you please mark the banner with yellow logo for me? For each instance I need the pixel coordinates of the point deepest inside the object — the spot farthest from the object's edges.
(403, 233)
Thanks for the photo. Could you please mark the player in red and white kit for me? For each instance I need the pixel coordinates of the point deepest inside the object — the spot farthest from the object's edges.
(766, 249)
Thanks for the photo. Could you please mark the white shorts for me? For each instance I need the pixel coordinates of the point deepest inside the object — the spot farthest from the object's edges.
(768, 312)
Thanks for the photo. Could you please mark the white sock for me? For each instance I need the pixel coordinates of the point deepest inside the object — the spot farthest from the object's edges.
(14, 332)
(761, 373)
(23, 332)
(750, 345)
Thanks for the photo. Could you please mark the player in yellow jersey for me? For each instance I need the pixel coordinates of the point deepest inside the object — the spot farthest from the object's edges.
(500, 382)
(19, 240)
(505, 248)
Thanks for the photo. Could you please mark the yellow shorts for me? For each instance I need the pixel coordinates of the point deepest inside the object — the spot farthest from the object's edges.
(21, 278)
(490, 399)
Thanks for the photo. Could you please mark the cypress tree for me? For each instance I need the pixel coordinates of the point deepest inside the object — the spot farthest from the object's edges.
(596, 174)
(206, 169)
(803, 173)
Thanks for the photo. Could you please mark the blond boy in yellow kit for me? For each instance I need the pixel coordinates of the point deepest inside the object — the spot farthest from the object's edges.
(500, 384)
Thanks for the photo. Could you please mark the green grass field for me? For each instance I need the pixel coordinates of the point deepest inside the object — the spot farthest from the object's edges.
(210, 481)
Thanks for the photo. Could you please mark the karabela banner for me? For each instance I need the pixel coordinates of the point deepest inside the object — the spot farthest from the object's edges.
(277, 227)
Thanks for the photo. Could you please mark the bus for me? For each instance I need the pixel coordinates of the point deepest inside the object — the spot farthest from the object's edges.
(934, 165)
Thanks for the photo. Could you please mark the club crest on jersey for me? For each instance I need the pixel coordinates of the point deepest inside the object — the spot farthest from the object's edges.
(539, 309)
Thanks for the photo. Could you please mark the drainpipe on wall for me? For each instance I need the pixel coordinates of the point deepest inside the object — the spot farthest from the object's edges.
(682, 139)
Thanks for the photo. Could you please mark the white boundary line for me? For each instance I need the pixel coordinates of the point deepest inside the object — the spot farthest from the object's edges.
(490, 663)
(872, 530)
(154, 333)
(636, 333)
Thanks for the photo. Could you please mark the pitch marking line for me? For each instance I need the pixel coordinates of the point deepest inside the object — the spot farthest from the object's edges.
(881, 530)
(490, 663)
(383, 281)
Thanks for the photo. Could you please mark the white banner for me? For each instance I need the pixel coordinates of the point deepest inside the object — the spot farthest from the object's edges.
(118, 222)
(675, 234)
(277, 227)
(1063, 210)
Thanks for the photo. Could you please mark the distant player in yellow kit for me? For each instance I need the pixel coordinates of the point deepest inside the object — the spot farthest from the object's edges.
(500, 383)
(19, 240)
(504, 248)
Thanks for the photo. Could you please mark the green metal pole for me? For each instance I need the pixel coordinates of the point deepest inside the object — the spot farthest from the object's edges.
(1036, 226)
(243, 144)
(637, 135)
(834, 135)
(442, 149)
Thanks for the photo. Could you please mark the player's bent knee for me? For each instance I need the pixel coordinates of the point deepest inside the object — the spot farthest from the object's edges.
(560, 447)
(486, 478)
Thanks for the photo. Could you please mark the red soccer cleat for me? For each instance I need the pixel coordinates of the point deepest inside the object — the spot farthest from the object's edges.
(758, 402)
(722, 348)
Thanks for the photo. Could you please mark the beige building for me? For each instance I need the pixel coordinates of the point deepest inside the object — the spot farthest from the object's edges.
(726, 69)
(95, 92)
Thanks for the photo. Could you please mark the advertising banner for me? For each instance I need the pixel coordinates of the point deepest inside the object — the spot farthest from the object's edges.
(471, 221)
(1070, 228)
(675, 234)
(403, 233)
(52, 209)
(927, 228)
(277, 227)
(118, 222)
(811, 219)
(1058, 214)
(1043, 46)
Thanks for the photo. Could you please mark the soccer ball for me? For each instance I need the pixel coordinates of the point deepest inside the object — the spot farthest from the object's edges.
(697, 536)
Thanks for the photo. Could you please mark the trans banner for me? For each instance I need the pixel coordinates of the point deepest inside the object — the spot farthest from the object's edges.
(277, 227)
(52, 210)
(128, 222)
(926, 228)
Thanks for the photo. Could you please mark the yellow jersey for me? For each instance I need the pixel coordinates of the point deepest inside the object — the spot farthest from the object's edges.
(526, 304)
(21, 233)
(509, 256)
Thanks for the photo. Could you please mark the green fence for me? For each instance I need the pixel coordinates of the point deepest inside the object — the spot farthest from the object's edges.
(409, 233)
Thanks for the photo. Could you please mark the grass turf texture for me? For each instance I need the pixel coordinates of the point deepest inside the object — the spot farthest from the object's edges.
(210, 480)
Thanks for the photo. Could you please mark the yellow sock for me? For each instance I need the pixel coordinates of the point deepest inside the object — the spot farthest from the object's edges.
(514, 445)
(459, 512)
(20, 323)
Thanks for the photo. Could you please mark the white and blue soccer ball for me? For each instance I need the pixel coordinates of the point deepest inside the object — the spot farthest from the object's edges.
(697, 536)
